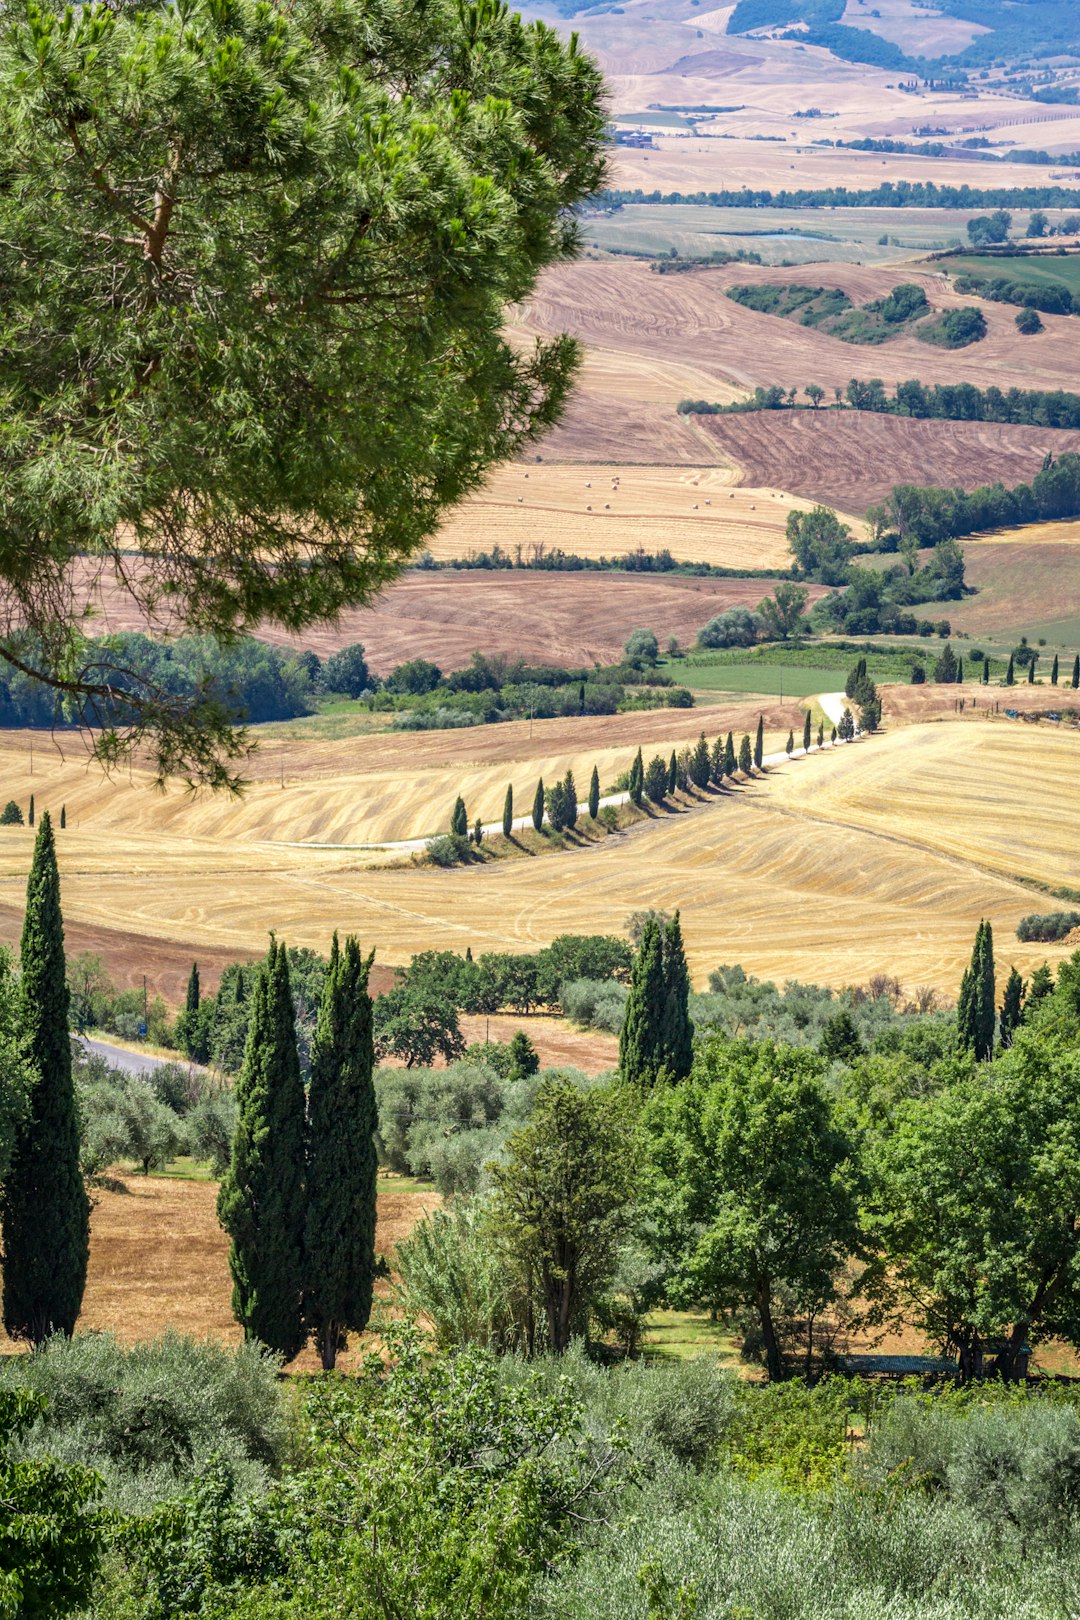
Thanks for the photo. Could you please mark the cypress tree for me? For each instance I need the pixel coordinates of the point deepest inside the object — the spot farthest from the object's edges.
(716, 762)
(637, 780)
(729, 755)
(976, 1012)
(1031, 669)
(677, 1036)
(832, 736)
(1010, 673)
(986, 672)
(63, 816)
(478, 832)
(594, 793)
(1054, 671)
(508, 811)
(261, 1199)
(790, 744)
(1076, 672)
(339, 1231)
(538, 806)
(641, 1040)
(191, 1001)
(960, 672)
(699, 763)
(672, 772)
(570, 796)
(1012, 1007)
(46, 1213)
(806, 732)
(759, 743)
(821, 734)
(459, 819)
(746, 763)
(30, 817)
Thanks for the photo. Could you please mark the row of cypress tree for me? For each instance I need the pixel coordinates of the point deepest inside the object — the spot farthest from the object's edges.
(657, 1037)
(558, 803)
(977, 1018)
(298, 1199)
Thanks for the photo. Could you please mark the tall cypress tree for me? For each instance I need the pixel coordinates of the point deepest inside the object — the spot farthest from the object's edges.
(459, 819)
(673, 772)
(1012, 1008)
(986, 672)
(1031, 669)
(570, 799)
(538, 806)
(261, 1199)
(1076, 672)
(790, 744)
(63, 816)
(191, 1001)
(976, 1014)
(508, 811)
(339, 1233)
(641, 1040)
(594, 793)
(716, 762)
(759, 742)
(1010, 673)
(821, 734)
(806, 732)
(699, 763)
(677, 1035)
(746, 763)
(637, 780)
(729, 755)
(1054, 671)
(46, 1213)
(30, 817)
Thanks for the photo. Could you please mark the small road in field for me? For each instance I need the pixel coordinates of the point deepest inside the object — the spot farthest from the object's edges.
(833, 704)
(123, 1057)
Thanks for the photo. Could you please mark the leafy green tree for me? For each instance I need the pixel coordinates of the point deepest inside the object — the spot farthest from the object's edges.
(11, 816)
(347, 671)
(641, 1040)
(806, 732)
(656, 780)
(1012, 1009)
(594, 793)
(508, 811)
(759, 744)
(459, 819)
(677, 1032)
(729, 755)
(746, 762)
(976, 1011)
(538, 806)
(339, 1229)
(782, 612)
(53, 1536)
(562, 1197)
(820, 544)
(416, 1023)
(261, 1200)
(265, 248)
(814, 393)
(637, 781)
(749, 1186)
(193, 996)
(699, 768)
(46, 1214)
(642, 647)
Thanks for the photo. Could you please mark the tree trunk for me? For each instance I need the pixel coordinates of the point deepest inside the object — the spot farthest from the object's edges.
(773, 1364)
(328, 1346)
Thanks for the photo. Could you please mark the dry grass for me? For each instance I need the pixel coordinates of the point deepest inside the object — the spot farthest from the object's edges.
(879, 857)
(1021, 584)
(158, 1261)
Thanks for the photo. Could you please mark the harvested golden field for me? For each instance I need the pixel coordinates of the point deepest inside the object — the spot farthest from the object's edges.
(596, 510)
(159, 1260)
(851, 459)
(1020, 584)
(879, 857)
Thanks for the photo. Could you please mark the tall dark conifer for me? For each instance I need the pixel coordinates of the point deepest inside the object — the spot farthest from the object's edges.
(63, 816)
(30, 817)
(1076, 672)
(759, 743)
(1012, 1008)
(594, 793)
(261, 1199)
(570, 798)
(729, 755)
(191, 1002)
(976, 1010)
(806, 732)
(637, 780)
(508, 811)
(339, 1234)
(641, 1040)
(677, 1034)
(1054, 670)
(716, 762)
(538, 806)
(46, 1213)
(1010, 673)
(746, 759)
(673, 772)
(459, 819)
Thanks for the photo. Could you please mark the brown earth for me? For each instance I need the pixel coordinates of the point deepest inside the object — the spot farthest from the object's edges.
(558, 1044)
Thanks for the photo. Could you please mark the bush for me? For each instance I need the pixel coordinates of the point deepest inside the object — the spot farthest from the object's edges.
(150, 1418)
(596, 1003)
(1028, 322)
(736, 627)
(1046, 927)
(955, 329)
(448, 849)
(11, 815)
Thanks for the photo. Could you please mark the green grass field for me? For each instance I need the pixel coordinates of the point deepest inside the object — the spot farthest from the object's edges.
(683, 1335)
(779, 235)
(771, 680)
(1049, 271)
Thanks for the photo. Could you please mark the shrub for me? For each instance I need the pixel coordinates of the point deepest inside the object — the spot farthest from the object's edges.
(11, 815)
(596, 1003)
(448, 849)
(1028, 322)
(1046, 927)
(736, 627)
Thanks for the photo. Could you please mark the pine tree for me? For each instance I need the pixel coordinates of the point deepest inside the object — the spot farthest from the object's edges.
(1076, 672)
(729, 755)
(339, 1230)
(790, 744)
(508, 811)
(46, 1213)
(716, 762)
(759, 743)
(1054, 671)
(976, 1011)
(640, 1043)
(63, 816)
(570, 796)
(746, 762)
(1012, 1008)
(673, 772)
(677, 1035)
(538, 806)
(261, 1199)
(1010, 673)
(191, 1002)
(459, 819)
(821, 734)
(30, 817)
(806, 732)
(637, 780)
(594, 793)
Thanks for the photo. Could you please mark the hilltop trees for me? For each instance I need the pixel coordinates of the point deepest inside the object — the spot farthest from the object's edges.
(339, 1227)
(261, 1198)
(265, 247)
(976, 1010)
(656, 1037)
(46, 1215)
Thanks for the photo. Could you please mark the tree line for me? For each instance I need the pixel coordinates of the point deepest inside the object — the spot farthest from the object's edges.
(889, 194)
(951, 402)
(934, 515)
